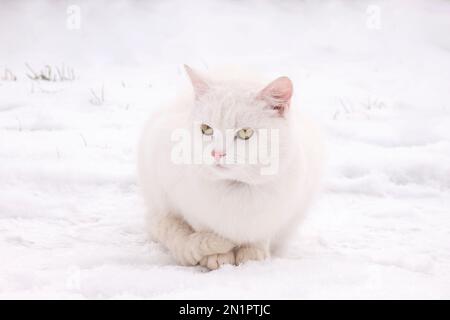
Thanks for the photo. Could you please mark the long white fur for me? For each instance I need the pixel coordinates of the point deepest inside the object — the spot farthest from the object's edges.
(212, 217)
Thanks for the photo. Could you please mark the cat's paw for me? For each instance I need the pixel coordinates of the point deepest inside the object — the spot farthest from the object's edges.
(249, 252)
(203, 244)
(215, 261)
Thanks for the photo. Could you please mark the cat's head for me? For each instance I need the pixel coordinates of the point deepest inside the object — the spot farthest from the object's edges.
(243, 127)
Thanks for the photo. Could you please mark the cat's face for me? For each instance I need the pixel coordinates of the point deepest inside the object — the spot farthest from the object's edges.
(243, 131)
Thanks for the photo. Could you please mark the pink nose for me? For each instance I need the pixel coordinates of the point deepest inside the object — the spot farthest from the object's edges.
(217, 154)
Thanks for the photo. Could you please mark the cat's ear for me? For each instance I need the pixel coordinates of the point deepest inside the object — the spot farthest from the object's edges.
(278, 94)
(198, 83)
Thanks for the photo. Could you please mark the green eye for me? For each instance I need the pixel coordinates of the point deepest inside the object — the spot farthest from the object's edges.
(206, 130)
(245, 133)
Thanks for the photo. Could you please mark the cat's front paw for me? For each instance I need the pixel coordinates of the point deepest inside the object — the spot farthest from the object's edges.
(215, 261)
(204, 244)
(249, 252)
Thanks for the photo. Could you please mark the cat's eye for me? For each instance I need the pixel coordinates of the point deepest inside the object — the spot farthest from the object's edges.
(245, 133)
(206, 130)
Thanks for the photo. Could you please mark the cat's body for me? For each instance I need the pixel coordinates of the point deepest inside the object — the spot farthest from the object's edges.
(213, 214)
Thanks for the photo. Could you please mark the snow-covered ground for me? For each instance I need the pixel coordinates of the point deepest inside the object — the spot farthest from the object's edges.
(375, 75)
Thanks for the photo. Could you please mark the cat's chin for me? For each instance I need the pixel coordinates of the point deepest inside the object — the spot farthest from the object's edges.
(234, 175)
(219, 172)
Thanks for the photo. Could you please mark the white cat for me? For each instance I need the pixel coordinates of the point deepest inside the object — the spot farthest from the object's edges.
(221, 207)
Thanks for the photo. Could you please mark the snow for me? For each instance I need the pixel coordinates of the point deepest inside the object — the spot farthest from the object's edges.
(71, 218)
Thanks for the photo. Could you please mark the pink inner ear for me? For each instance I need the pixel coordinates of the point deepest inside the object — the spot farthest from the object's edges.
(200, 85)
(278, 94)
(279, 89)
